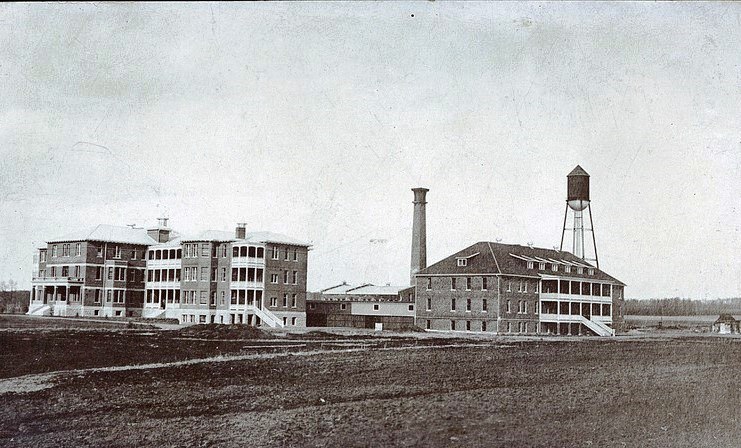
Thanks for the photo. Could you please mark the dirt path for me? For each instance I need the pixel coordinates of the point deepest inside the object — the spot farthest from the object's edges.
(40, 381)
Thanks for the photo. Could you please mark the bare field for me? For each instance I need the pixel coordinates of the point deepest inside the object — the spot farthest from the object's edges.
(323, 390)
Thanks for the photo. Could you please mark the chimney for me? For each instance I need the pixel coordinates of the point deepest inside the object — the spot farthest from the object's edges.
(419, 233)
(161, 233)
(241, 231)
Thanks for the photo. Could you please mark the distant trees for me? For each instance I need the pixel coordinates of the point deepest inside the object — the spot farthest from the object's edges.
(12, 300)
(682, 307)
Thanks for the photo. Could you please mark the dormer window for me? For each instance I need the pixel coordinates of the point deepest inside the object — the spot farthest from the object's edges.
(530, 264)
(580, 270)
(541, 266)
(567, 268)
(554, 267)
(591, 271)
(462, 262)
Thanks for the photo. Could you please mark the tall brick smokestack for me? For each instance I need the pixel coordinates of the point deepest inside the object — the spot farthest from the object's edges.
(419, 233)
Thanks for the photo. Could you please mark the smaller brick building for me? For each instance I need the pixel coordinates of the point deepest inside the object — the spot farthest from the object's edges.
(365, 306)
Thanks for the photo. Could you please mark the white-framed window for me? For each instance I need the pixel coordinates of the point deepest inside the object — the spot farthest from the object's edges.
(484, 284)
(554, 267)
(375, 307)
(204, 274)
(54, 250)
(429, 304)
(591, 271)
(429, 283)
(42, 256)
(509, 286)
(293, 301)
(541, 266)
(117, 252)
(530, 265)
(285, 277)
(204, 299)
(285, 256)
(78, 249)
(468, 305)
(273, 278)
(468, 283)
(452, 304)
(343, 306)
(295, 254)
(295, 277)
(205, 250)
(462, 262)
(222, 299)
(484, 306)
(285, 300)
(509, 306)
(567, 268)
(483, 326)
(411, 307)
(452, 283)
(276, 253)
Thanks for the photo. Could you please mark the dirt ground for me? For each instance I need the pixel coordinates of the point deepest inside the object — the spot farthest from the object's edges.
(318, 390)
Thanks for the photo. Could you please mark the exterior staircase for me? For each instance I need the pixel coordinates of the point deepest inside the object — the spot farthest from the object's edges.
(266, 316)
(600, 328)
(43, 309)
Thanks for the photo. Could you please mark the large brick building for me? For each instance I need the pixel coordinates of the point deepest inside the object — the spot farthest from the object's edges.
(213, 277)
(504, 288)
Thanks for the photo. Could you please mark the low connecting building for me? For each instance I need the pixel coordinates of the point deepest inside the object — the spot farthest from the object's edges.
(501, 288)
(365, 306)
(214, 277)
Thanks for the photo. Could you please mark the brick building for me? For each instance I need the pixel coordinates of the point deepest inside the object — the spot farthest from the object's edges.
(506, 289)
(365, 306)
(214, 277)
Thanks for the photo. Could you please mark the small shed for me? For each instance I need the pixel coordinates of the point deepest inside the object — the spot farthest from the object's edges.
(726, 324)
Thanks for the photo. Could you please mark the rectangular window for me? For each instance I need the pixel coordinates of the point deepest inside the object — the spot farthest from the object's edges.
(295, 255)
(530, 265)
(462, 262)
(468, 305)
(483, 326)
(223, 274)
(312, 306)
(484, 306)
(204, 274)
(205, 250)
(509, 286)
(285, 256)
(285, 300)
(295, 277)
(77, 272)
(109, 296)
(54, 250)
(468, 325)
(429, 283)
(213, 298)
(96, 298)
(276, 253)
(452, 325)
(411, 307)
(554, 267)
(273, 278)
(541, 266)
(42, 273)
(100, 251)
(468, 283)
(78, 249)
(285, 277)
(452, 304)
(509, 306)
(274, 301)
(452, 284)
(519, 286)
(293, 301)
(213, 274)
(222, 300)
(591, 271)
(375, 307)
(204, 299)
(110, 273)
(98, 273)
(42, 256)
(343, 306)
(428, 324)
(117, 252)
(53, 271)
(429, 304)
(484, 282)
(65, 271)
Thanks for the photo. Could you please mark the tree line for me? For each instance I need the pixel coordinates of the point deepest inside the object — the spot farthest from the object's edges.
(682, 307)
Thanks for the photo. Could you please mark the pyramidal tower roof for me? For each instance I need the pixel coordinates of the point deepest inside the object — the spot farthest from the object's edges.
(578, 171)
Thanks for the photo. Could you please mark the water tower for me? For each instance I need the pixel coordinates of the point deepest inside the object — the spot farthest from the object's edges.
(577, 200)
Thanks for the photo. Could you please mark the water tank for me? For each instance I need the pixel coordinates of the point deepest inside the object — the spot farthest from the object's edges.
(578, 189)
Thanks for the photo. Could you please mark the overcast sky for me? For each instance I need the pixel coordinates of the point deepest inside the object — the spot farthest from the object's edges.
(316, 119)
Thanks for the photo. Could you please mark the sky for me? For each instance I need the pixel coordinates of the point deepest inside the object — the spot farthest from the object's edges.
(316, 119)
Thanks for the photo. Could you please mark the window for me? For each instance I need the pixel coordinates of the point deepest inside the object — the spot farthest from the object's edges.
(468, 325)
(77, 272)
(452, 325)
(567, 268)
(429, 283)
(224, 248)
(204, 274)
(205, 250)
(42, 273)
(579, 270)
(78, 249)
(554, 267)
(213, 298)
(541, 266)
(468, 283)
(110, 273)
(519, 286)
(484, 306)
(54, 250)
(260, 252)
(509, 286)
(117, 252)
(293, 321)
(42, 256)
(312, 306)
(591, 271)
(462, 262)
(53, 271)
(429, 304)
(468, 305)
(65, 250)
(295, 277)
(222, 299)
(223, 274)
(276, 253)
(509, 327)
(204, 299)
(509, 306)
(428, 324)
(524, 286)
(285, 300)
(273, 278)
(295, 255)
(411, 307)
(96, 297)
(452, 284)
(293, 301)
(484, 285)
(530, 265)
(285, 256)
(343, 306)
(483, 326)
(285, 277)
(375, 307)
(109, 296)
(65, 271)
(452, 304)
(100, 251)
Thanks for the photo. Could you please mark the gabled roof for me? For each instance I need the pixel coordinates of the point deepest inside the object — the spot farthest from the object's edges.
(369, 289)
(173, 243)
(250, 237)
(109, 234)
(578, 171)
(338, 289)
(512, 259)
